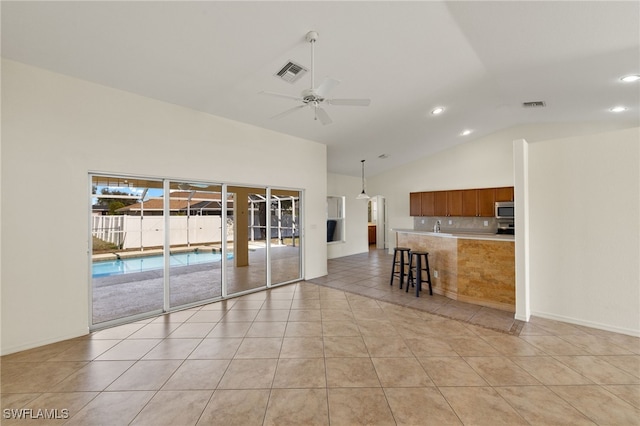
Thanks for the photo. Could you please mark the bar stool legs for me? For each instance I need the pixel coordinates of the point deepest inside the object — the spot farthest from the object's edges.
(421, 265)
(399, 264)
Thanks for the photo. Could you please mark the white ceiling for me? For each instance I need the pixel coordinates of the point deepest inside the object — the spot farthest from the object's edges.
(480, 60)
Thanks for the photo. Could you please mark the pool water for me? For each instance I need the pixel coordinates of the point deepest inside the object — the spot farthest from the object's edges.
(149, 263)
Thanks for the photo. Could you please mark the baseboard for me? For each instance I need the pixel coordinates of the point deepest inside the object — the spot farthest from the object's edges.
(489, 304)
(590, 324)
(445, 293)
(38, 343)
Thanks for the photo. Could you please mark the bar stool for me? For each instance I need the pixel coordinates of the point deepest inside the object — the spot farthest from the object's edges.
(416, 269)
(402, 262)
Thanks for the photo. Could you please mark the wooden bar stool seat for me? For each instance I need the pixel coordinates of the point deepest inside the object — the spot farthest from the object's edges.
(401, 258)
(418, 264)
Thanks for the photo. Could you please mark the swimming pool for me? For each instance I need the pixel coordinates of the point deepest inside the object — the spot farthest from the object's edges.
(149, 263)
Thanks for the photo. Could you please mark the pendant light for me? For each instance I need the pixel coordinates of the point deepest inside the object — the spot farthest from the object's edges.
(363, 195)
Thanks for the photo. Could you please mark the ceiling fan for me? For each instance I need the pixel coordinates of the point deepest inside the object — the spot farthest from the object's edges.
(316, 96)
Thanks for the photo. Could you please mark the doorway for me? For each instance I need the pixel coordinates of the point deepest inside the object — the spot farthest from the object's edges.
(376, 221)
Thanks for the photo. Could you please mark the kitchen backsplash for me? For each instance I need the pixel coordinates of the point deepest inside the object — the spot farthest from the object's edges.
(457, 224)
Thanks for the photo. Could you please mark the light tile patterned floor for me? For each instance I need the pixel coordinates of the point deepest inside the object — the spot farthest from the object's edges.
(308, 354)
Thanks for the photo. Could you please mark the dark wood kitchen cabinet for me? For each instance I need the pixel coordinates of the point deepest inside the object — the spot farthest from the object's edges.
(478, 202)
(372, 234)
(454, 203)
(427, 202)
(459, 202)
(469, 202)
(504, 194)
(421, 204)
(415, 201)
(440, 203)
(486, 202)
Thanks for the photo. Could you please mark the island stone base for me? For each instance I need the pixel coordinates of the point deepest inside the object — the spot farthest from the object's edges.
(475, 271)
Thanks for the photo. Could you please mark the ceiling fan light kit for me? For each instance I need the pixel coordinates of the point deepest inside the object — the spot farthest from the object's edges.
(314, 97)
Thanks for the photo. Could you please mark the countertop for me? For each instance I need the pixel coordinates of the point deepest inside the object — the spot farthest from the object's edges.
(460, 235)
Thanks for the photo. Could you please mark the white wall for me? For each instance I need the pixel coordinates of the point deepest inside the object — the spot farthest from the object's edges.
(583, 260)
(56, 129)
(584, 222)
(483, 163)
(487, 162)
(357, 236)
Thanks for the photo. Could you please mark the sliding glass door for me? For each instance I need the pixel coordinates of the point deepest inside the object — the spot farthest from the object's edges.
(195, 241)
(248, 219)
(285, 254)
(127, 232)
(160, 244)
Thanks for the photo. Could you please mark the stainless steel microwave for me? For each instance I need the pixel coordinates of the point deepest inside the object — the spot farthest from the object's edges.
(505, 210)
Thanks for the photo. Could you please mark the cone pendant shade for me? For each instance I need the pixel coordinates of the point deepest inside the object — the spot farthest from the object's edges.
(363, 195)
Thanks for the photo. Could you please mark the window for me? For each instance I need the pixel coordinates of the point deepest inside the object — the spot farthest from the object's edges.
(335, 219)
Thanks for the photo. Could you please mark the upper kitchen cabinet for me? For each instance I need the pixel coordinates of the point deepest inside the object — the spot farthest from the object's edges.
(460, 202)
(504, 194)
(421, 204)
(440, 203)
(469, 202)
(478, 202)
(486, 202)
(455, 205)
(427, 202)
(415, 202)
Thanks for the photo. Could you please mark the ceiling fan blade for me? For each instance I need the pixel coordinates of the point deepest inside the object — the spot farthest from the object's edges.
(287, 112)
(322, 115)
(349, 102)
(327, 85)
(281, 95)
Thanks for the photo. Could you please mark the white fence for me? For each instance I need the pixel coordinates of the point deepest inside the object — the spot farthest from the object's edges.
(135, 231)
(131, 232)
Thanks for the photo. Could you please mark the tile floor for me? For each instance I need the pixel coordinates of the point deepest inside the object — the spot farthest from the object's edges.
(310, 354)
(368, 275)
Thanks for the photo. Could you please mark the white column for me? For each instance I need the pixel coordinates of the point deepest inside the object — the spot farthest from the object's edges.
(521, 197)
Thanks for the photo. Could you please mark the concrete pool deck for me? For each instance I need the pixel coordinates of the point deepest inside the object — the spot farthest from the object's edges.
(119, 296)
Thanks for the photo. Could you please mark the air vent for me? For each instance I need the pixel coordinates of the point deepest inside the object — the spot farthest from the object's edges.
(534, 104)
(291, 72)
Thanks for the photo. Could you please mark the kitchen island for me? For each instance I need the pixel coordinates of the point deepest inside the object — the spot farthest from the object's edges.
(470, 267)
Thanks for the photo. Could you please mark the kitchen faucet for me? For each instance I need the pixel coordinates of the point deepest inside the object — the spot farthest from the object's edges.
(436, 227)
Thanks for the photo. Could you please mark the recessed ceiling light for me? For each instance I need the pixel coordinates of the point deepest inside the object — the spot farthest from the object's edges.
(618, 109)
(466, 132)
(437, 110)
(631, 78)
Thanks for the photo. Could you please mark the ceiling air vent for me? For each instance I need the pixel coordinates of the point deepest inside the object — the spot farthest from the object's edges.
(534, 104)
(291, 72)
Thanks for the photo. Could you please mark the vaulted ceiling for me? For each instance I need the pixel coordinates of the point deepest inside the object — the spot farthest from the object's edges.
(478, 60)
